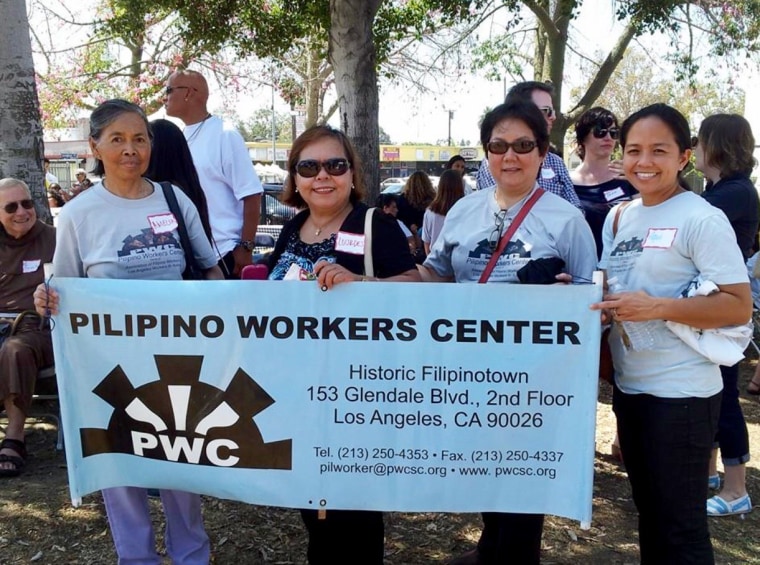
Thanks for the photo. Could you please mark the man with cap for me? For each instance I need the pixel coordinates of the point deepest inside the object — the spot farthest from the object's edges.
(84, 182)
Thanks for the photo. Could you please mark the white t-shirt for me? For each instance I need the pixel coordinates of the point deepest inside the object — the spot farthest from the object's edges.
(227, 176)
(553, 228)
(660, 250)
(432, 224)
(101, 235)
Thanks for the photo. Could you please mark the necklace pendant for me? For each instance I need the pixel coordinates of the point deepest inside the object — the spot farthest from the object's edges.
(319, 231)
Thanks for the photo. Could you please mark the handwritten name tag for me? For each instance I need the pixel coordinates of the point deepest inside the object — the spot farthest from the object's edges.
(660, 238)
(350, 243)
(547, 173)
(31, 265)
(611, 195)
(163, 223)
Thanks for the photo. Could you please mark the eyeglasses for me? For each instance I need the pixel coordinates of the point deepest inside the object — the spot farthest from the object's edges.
(11, 207)
(336, 167)
(694, 142)
(599, 132)
(521, 146)
(548, 111)
(170, 89)
(495, 237)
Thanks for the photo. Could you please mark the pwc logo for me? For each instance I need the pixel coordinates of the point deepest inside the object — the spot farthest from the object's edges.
(178, 418)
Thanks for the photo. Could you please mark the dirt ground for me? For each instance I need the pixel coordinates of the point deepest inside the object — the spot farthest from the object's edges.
(39, 525)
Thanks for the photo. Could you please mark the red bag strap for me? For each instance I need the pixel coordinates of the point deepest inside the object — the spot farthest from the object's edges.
(509, 233)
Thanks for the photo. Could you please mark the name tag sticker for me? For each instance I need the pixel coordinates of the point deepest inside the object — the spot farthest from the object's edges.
(163, 223)
(31, 266)
(660, 238)
(350, 243)
(547, 173)
(611, 195)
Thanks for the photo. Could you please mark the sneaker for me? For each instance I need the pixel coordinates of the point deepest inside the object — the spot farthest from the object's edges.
(716, 506)
(713, 482)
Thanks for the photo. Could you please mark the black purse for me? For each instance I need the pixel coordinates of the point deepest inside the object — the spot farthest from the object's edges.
(192, 271)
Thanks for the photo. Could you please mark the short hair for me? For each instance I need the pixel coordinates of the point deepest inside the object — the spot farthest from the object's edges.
(418, 190)
(171, 161)
(450, 189)
(10, 182)
(454, 159)
(526, 112)
(104, 115)
(385, 200)
(312, 135)
(46, 160)
(588, 121)
(728, 144)
(523, 91)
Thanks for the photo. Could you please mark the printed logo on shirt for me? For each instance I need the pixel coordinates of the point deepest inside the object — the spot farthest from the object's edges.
(514, 249)
(628, 247)
(150, 251)
(181, 419)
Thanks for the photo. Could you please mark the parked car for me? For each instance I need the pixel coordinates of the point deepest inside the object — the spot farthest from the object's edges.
(394, 188)
(392, 180)
(273, 211)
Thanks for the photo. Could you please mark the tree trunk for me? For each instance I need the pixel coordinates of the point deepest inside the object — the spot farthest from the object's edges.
(21, 149)
(353, 57)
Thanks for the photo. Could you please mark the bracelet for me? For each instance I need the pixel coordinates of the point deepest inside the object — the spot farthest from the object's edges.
(247, 245)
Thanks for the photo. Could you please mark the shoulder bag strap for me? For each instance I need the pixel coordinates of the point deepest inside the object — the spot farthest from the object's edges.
(616, 219)
(509, 233)
(369, 268)
(184, 239)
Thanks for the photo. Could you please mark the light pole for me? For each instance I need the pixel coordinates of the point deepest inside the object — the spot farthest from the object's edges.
(274, 131)
(451, 116)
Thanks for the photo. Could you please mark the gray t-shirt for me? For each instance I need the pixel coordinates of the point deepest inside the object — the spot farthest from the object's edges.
(553, 228)
(101, 235)
(660, 250)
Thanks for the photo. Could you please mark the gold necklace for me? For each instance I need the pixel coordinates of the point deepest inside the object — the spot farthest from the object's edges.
(328, 222)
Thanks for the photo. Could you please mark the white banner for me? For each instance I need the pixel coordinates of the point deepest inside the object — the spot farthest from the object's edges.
(386, 396)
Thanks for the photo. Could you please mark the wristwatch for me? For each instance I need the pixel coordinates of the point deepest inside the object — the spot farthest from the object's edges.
(247, 245)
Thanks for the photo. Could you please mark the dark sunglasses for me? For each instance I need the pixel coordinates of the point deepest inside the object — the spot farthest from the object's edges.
(170, 89)
(521, 146)
(548, 111)
(599, 132)
(336, 166)
(11, 207)
(694, 142)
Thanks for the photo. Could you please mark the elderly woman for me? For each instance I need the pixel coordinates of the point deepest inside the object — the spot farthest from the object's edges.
(325, 180)
(723, 151)
(667, 397)
(515, 139)
(106, 233)
(26, 244)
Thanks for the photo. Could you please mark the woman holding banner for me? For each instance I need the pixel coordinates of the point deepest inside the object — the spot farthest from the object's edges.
(111, 231)
(667, 396)
(325, 180)
(529, 236)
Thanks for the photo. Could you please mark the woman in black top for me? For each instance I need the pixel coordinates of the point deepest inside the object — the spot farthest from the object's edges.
(325, 178)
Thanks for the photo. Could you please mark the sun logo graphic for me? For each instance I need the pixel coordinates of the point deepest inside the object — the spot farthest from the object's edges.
(179, 418)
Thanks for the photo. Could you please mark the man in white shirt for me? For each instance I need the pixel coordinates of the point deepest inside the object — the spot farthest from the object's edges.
(232, 188)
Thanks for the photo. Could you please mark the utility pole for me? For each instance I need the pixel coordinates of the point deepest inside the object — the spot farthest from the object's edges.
(451, 116)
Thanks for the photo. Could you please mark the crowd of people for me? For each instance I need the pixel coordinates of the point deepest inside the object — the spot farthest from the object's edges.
(625, 209)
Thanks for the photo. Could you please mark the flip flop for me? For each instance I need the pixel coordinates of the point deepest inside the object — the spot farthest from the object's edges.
(753, 388)
(18, 461)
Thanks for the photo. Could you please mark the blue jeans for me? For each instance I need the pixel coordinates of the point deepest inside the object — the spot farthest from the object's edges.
(732, 437)
(666, 445)
(132, 531)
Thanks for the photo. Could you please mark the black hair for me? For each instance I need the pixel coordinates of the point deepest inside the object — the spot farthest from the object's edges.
(728, 144)
(523, 91)
(104, 115)
(454, 159)
(526, 112)
(596, 116)
(171, 161)
(384, 200)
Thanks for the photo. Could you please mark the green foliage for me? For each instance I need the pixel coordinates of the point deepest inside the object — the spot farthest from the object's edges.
(259, 126)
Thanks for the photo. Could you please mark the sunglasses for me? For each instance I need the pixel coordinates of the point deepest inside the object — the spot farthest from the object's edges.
(599, 132)
(694, 142)
(548, 111)
(309, 168)
(521, 146)
(170, 89)
(498, 230)
(11, 207)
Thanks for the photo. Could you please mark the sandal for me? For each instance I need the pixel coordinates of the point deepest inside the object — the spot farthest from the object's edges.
(753, 388)
(18, 461)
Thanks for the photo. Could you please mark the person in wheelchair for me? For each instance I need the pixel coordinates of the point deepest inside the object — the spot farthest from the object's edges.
(26, 244)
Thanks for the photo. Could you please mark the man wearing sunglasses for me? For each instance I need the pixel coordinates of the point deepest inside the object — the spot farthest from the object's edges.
(553, 176)
(232, 188)
(26, 244)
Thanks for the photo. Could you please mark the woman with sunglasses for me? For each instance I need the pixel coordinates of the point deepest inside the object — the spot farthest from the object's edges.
(325, 181)
(598, 183)
(723, 152)
(109, 232)
(515, 139)
(667, 396)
